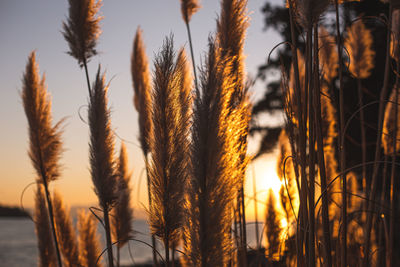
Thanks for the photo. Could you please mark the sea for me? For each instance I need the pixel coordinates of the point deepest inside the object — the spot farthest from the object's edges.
(18, 244)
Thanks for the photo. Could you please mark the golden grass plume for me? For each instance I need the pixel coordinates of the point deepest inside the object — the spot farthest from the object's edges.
(394, 41)
(328, 56)
(308, 12)
(273, 228)
(142, 89)
(46, 249)
(66, 232)
(45, 139)
(102, 164)
(389, 124)
(82, 29)
(167, 170)
(188, 8)
(122, 213)
(89, 244)
(359, 45)
(217, 127)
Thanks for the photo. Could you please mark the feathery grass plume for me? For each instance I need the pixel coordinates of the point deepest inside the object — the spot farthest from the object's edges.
(142, 89)
(45, 139)
(394, 42)
(272, 228)
(328, 114)
(188, 8)
(89, 244)
(185, 82)
(81, 30)
(231, 33)
(285, 170)
(143, 103)
(101, 153)
(47, 256)
(122, 217)
(328, 56)
(102, 165)
(359, 44)
(388, 124)
(308, 12)
(66, 232)
(352, 189)
(169, 148)
(211, 189)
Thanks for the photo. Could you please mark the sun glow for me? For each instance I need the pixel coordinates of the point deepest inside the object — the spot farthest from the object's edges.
(263, 172)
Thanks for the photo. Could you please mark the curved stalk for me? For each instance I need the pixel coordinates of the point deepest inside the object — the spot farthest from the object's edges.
(373, 190)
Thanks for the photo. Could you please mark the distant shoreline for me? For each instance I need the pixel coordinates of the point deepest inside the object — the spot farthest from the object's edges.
(14, 212)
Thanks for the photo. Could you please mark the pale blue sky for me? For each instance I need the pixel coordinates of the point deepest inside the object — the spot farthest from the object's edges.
(27, 25)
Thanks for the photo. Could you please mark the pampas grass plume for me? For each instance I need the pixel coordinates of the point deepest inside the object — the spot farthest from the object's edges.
(308, 12)
(329, 59)
(142, 89)
(272, 228)
(359, 44)
(47, 256)
(102, 165)
(188, 8)
(89, 245)
(65, 232)
(45, 139)
(168, 145)
(122, 212)
(82, 29)
(389, 124)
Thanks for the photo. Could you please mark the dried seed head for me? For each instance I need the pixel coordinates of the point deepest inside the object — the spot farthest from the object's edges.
(359, 44)
(45, 139)
(82, 29)
(102, 165)
(188, 8)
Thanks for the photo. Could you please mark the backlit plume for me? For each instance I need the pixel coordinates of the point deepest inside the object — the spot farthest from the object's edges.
(359, 44)
(82, 29)
(188, 8)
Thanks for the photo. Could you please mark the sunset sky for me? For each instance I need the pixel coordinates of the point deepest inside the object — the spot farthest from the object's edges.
(27, 25)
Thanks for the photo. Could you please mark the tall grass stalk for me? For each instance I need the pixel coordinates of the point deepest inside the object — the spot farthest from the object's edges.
(46, 247)
(188, 8)
(122, 214)
(89, 244)
(342, 154)
(66, 232)
(45, 139)
(301, 141)
(231, 35)
(169, 146)
(143, 103)
(102, 163)
(372, 192)
(320, 152)
(82, 30)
